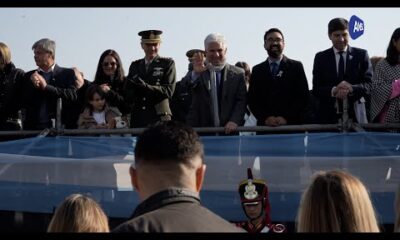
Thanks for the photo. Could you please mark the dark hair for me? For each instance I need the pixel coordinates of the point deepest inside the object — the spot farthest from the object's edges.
(244, 66)
(392, 55)
(374, 60)
(91, 91)
(168, 142)
(101, 77)
(271, 30)
(247, 70)
(337, 24)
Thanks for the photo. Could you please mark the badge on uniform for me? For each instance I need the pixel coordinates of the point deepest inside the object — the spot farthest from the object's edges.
(158, 72)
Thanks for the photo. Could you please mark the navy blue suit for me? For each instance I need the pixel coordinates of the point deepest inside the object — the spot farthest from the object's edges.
(285, 95)
(61, 85)
(358, 73)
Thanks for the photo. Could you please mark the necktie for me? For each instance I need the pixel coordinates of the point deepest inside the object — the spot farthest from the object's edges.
(341, 67)
(274, 69)
(214, 98)
(218, 78)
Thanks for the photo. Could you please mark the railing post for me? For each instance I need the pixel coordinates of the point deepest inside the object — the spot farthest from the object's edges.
(346, 122)
(58, 116)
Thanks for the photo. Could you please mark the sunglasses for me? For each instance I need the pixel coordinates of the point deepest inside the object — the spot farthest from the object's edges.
(105, 64)
(98, 99)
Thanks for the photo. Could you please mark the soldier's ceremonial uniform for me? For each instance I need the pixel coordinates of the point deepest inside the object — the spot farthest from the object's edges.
(253, 192)
(150, 86)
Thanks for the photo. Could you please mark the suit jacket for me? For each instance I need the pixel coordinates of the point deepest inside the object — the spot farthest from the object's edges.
(233, 99)
(148, 99)
(175, 210)
(182, 98)
(285, 95)
(62, 85)
(358, 73)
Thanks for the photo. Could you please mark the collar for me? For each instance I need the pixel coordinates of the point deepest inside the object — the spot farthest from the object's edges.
(337, 51)
(149, 61)
(165, 197)
(219, 68)
(277, 62)
(50, 70)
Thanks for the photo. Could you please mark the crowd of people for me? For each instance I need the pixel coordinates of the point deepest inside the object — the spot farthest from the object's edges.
(169, 171)
(213, 93)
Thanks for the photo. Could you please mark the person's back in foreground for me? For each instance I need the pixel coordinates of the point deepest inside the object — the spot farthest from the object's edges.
(168, 175)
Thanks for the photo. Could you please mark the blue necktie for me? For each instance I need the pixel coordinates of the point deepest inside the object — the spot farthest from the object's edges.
(274, 69)
(218, 76)
(341, 67)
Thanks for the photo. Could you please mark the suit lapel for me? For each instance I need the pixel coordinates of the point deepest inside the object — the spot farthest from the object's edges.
(142, 68)
(349, 60)
(227, 74)
(332, 66)
(282, 68)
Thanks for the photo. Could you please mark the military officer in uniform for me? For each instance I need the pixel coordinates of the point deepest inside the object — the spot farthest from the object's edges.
(151, 83)
(182, 98)
(256, 206)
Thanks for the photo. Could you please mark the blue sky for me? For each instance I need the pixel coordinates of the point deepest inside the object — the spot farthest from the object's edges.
(82, 34)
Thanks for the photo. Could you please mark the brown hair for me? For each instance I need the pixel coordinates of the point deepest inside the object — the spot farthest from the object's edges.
(79, 213)
(336, 201)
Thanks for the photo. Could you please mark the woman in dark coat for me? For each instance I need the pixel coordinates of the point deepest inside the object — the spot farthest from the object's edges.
(110, 77)
(10, 84)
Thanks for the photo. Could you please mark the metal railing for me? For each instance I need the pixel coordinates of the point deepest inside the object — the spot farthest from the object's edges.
(345, 124)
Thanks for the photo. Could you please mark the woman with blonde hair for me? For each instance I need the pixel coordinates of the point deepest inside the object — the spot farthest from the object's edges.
(336, 201)
(79, 213)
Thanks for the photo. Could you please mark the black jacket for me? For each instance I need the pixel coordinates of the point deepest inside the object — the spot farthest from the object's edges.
(10, 84)
(62, 85)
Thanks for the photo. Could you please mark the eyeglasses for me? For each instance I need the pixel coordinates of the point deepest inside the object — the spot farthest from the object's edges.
(271, 40)
(105, 64)
(98, 99)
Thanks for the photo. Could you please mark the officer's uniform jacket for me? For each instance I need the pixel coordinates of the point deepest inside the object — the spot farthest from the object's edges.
(148, 92)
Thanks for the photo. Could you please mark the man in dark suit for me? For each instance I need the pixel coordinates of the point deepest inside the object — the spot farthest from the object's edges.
(182, 98)
(168, 175)
(278, 91)
(150, 83)
(219, 96)
(341, 74)
(43, 86)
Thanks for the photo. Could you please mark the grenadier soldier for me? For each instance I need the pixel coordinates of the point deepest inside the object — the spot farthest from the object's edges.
(151, 83)
(182, 98)
(256, 206)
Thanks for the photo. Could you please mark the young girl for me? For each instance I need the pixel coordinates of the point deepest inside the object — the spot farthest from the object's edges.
(97, 113)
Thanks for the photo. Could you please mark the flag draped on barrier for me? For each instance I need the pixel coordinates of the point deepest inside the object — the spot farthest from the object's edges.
(36, 174)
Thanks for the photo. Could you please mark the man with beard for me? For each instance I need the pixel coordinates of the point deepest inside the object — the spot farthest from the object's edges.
(219, 97)
(341, 73)
(278, 91)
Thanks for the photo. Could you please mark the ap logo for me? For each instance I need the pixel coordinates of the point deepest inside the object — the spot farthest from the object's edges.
(356, 27)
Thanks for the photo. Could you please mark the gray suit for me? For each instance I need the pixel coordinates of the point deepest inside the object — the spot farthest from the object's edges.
(232, 103)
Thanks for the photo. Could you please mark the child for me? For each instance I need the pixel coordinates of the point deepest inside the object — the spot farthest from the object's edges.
(97, 113)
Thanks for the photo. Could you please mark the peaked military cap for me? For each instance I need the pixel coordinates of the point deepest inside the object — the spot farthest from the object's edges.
(150, 36)
(252, 190)
(191, 52)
